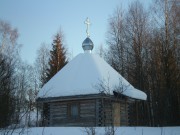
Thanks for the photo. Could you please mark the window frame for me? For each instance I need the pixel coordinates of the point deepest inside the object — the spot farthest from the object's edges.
(70, 112)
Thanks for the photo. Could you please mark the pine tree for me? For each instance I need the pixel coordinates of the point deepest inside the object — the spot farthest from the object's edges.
(58, 57)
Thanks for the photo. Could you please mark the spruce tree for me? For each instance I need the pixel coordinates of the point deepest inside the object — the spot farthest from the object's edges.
(58, 57)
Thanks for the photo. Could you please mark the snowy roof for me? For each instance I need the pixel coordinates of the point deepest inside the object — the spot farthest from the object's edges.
(86, 74)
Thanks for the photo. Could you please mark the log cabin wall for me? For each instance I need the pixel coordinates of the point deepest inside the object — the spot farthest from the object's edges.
(58, 113)
(86, 113)
(103, 112)
(113, 112)
(124, 113)
(45, 114)
(116, 114)
(95, 112)
(73, 113)
(120, 113)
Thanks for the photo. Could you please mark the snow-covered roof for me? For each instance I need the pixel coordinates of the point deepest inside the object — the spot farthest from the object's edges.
(86, 74)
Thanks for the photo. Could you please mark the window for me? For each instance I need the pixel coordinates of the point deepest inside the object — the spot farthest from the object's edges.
(74, 110)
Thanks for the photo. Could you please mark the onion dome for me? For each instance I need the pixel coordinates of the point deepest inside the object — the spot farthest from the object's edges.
(87, 45)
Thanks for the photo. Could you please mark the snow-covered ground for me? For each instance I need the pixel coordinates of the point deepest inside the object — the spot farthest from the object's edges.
(99, 131)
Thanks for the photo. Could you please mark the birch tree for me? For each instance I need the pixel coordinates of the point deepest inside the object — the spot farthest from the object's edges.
(41, 63)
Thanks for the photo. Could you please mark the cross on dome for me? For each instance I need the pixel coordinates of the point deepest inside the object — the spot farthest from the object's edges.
(87, 22)
(87, 44)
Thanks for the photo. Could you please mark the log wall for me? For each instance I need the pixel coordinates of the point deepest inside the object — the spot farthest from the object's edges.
(92, 112)
(60, 113)
(124, 110)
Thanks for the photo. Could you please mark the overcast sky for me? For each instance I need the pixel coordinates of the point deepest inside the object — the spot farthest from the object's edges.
(38, 20)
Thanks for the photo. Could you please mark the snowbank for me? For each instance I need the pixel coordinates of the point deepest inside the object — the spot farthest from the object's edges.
(99, 131)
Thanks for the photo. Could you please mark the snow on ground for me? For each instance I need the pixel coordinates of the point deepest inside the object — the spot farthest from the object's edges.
(99, 131)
